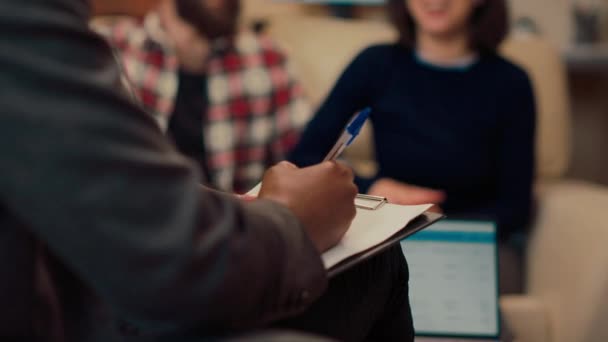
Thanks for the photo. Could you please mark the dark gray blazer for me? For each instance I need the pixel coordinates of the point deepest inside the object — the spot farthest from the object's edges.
(104, 230)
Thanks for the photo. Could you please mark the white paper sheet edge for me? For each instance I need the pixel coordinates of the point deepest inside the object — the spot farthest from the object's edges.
(370, 228)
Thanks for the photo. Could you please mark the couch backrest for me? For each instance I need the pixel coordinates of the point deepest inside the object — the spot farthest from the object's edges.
(547, 71)
(320, 48)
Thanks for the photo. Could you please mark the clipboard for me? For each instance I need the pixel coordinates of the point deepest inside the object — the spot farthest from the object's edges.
(368, 204)
(424, 220)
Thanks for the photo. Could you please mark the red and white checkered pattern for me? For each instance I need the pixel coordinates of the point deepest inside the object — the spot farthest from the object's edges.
(256, 108)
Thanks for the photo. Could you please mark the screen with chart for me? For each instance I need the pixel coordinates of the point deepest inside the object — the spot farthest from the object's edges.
(453, 279)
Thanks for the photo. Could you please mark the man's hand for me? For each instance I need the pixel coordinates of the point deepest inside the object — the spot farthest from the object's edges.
(405, 194)
(322, 197)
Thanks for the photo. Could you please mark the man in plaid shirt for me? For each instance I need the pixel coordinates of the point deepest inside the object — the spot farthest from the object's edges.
(228, 99)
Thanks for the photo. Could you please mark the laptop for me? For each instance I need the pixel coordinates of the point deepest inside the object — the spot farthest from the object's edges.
(454, 281)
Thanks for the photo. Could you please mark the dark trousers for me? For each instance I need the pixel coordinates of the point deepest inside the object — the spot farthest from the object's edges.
(511, 265)
(368, 302)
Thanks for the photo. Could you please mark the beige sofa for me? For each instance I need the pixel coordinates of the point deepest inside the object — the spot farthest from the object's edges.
(566, 298)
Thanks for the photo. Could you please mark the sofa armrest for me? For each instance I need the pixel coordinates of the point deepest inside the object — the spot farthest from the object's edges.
(567, 260)
(525, 318)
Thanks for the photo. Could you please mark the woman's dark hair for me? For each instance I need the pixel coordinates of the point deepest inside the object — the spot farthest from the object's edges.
(489, 24)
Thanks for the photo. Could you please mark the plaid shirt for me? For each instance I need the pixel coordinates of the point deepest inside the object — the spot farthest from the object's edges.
(256, 108)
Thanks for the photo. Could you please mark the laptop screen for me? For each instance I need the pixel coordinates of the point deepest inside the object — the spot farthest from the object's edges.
(453, 279)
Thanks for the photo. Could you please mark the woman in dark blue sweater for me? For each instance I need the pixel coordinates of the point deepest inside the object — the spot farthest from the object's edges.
(453, 121)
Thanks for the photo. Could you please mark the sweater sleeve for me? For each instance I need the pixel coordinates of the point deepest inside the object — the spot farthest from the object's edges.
(352, 92)
(516, 159)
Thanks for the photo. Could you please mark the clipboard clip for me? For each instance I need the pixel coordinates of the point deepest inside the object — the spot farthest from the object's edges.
(369, 202)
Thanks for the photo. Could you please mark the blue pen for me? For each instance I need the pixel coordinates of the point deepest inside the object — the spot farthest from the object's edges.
(350, 133)
(348, 136)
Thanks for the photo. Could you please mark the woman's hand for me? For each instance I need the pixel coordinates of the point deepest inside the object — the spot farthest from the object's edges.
(401, 193)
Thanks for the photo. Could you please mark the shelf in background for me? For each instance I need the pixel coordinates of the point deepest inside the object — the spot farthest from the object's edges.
(587, 57)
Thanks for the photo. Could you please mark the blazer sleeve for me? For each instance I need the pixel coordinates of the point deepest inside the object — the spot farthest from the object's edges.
(93, 177)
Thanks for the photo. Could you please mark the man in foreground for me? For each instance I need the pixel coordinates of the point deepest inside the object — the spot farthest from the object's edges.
(106, 233)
